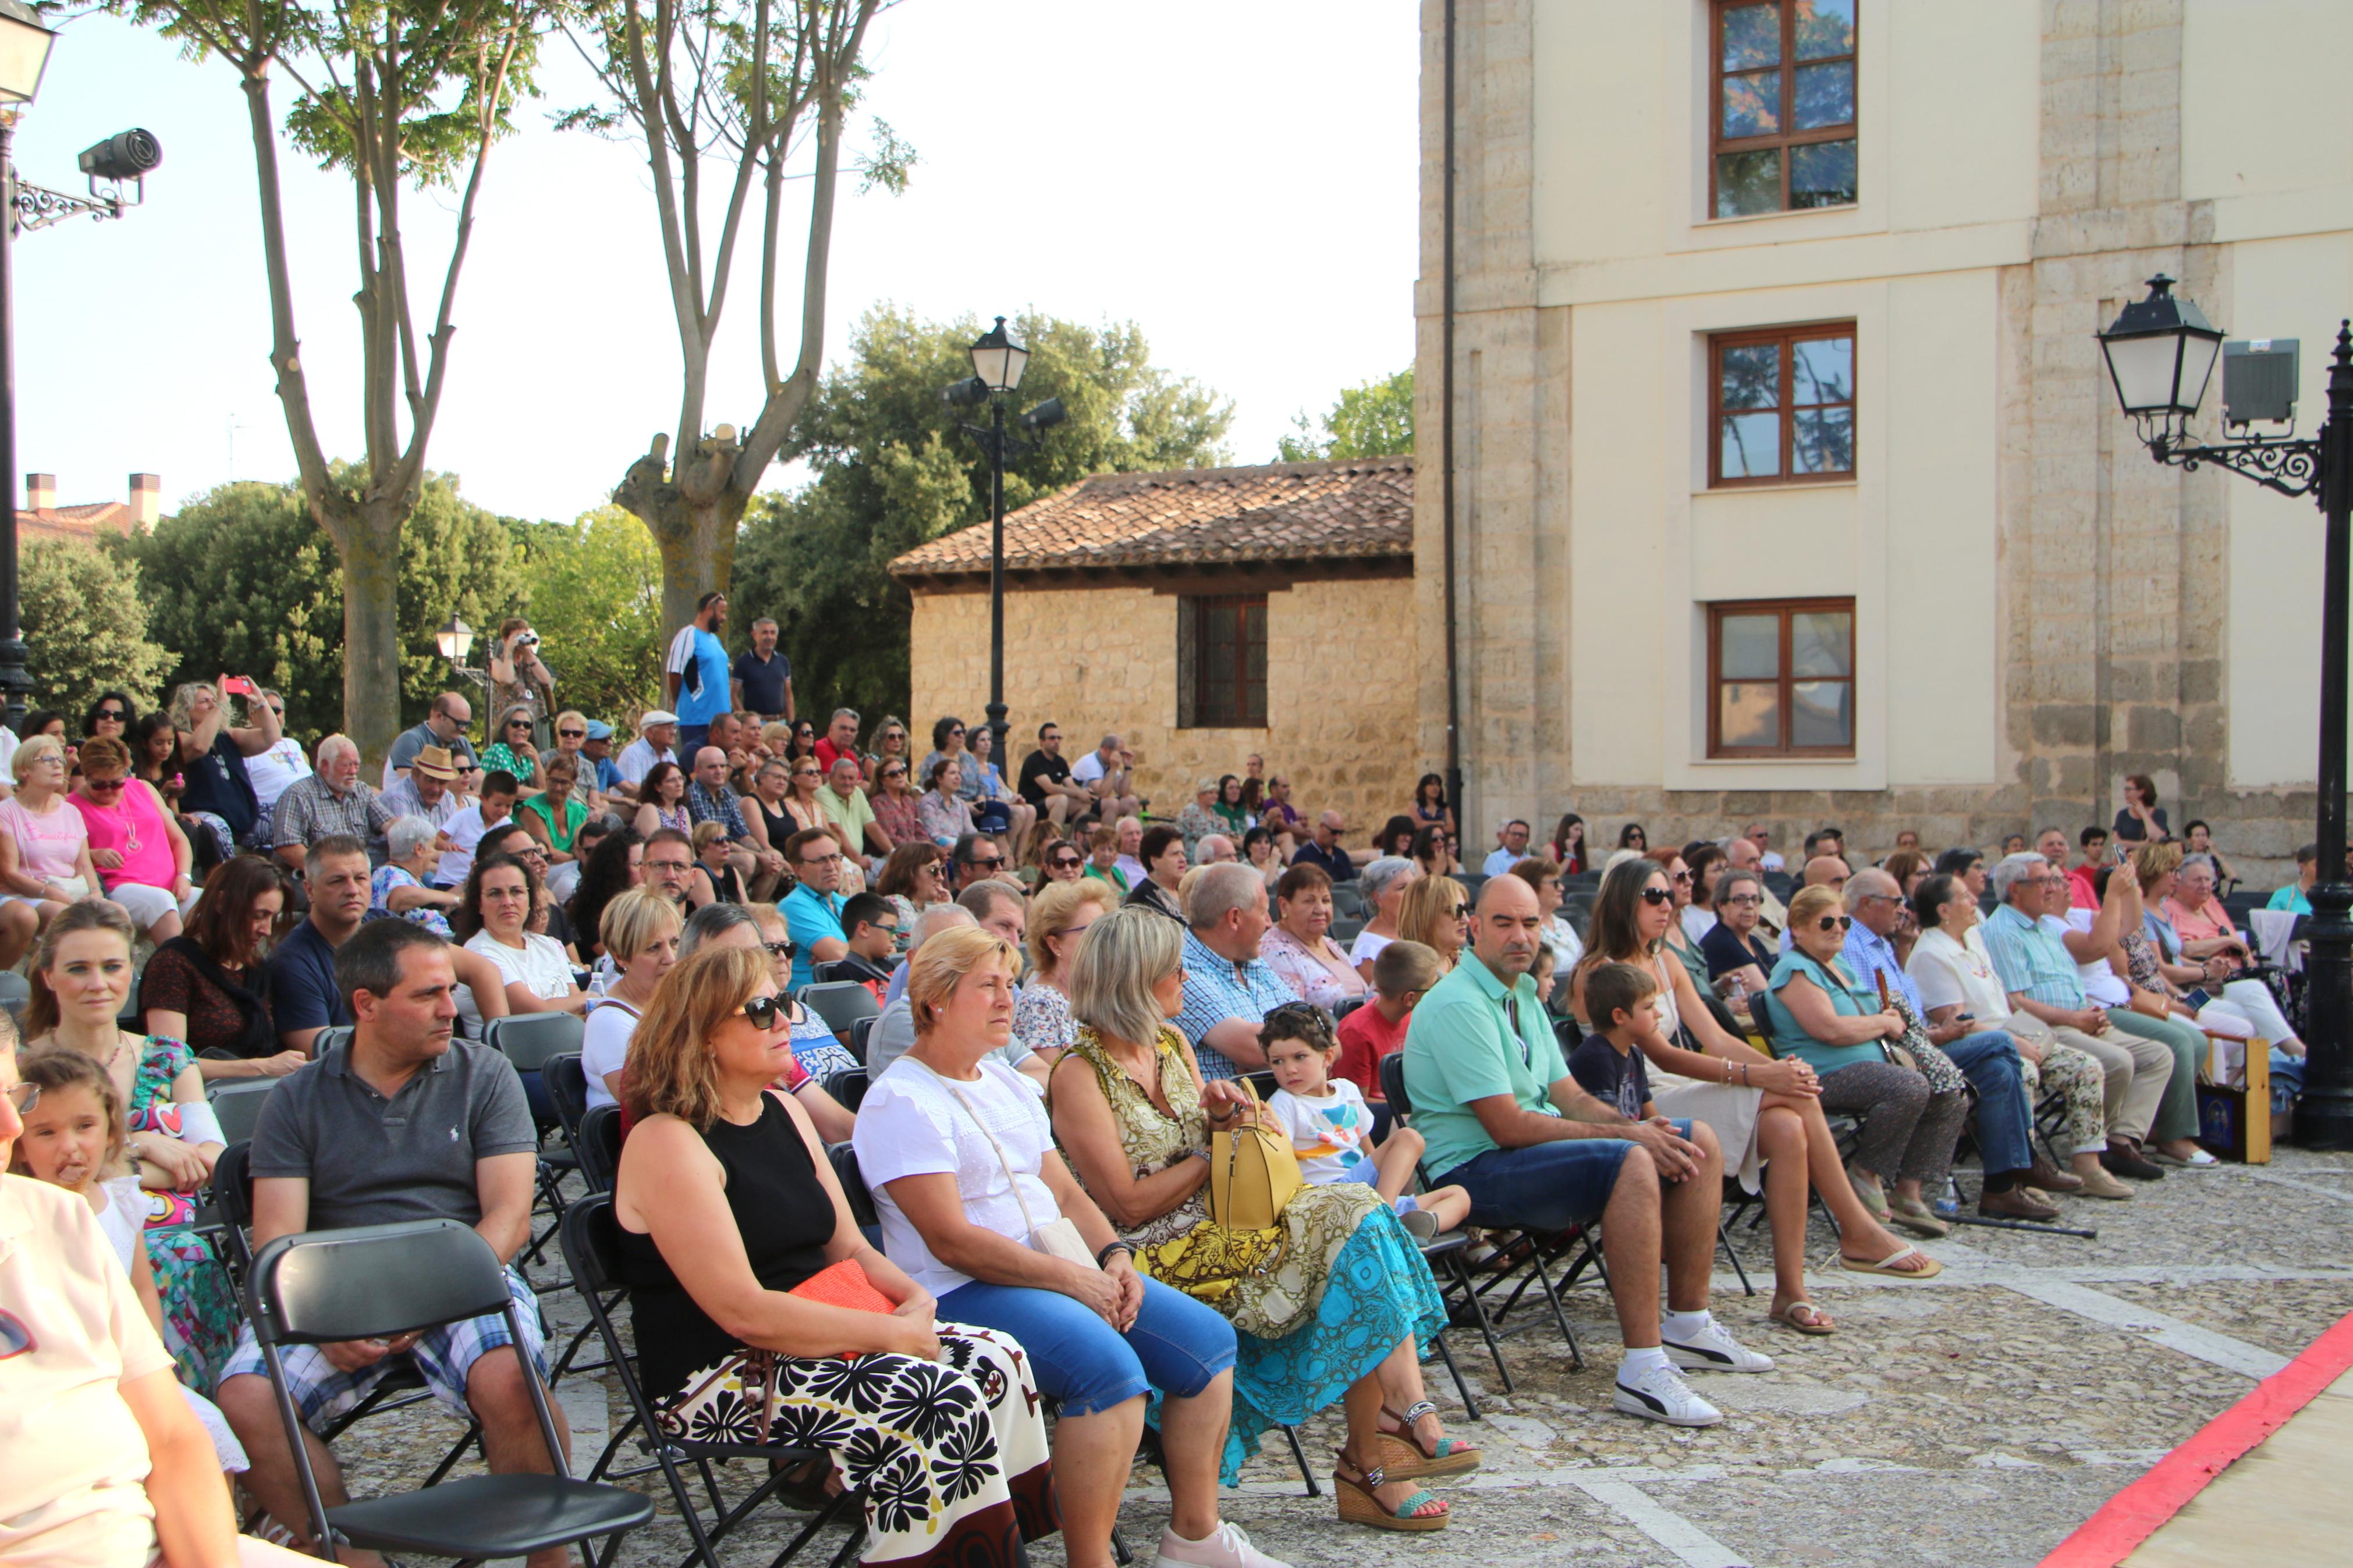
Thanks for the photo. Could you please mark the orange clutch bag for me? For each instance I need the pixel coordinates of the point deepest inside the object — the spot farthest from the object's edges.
(843, 1284)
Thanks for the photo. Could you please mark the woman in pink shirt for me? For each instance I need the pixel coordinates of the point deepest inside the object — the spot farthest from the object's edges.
(2199, 917)
(139, 852)
(44, 848)
(1298, 948)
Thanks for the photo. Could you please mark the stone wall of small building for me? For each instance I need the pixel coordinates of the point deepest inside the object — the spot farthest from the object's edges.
(1099, 660)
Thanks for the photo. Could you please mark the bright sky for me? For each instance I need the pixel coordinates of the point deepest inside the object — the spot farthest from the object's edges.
(1238, 178)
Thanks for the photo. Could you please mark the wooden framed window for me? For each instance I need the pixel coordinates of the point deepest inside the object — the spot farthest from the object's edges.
(1221, 662)
(1781, 406)
(1782, 128)
(1781, 677)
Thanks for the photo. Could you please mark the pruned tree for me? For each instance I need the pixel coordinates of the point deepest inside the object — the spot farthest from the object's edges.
(396, 93)
(726, 95)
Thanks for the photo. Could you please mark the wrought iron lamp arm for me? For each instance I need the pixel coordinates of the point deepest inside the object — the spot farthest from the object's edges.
(2291, 467)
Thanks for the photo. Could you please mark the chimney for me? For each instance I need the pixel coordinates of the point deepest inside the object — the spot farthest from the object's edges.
(40, 492)
(146, 500)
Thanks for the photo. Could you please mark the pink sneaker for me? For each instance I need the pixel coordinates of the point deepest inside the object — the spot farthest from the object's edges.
(1229, 1548)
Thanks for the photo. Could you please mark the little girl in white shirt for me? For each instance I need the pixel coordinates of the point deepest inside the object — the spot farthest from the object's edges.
(1331, 1127)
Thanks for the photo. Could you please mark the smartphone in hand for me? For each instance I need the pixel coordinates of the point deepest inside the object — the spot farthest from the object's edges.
(240, 686)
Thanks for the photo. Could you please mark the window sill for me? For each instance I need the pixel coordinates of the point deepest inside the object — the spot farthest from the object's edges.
(1784, 212)
(1842, 759)
(1778, 488)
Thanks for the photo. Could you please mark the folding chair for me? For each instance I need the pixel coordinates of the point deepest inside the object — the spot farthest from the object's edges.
(862, 1030)
(592, 1249)
(236, 1102)
(529, 1041)
(840, 1003)
(327, 1038)
(599, 1147)
(320, 1287)
(566, 1083)
(849, 1087)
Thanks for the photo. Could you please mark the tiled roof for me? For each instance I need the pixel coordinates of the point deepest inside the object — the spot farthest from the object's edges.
(1352, 509)
(79, 524)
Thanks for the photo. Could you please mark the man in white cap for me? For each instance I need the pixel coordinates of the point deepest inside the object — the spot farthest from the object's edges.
(657, 742)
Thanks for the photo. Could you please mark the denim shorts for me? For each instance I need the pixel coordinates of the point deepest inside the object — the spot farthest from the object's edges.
(1176, 1345)
(1544, 1186)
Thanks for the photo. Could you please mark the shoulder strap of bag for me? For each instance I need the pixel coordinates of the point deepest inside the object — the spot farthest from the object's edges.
(1028, 1222)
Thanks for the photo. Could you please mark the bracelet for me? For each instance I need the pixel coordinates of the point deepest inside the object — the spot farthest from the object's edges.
(1105, 1256)
(1744, 1074)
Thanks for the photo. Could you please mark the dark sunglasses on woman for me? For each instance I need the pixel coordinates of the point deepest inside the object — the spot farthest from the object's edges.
(766, 1012)
(1658, 895)
(1835, 923)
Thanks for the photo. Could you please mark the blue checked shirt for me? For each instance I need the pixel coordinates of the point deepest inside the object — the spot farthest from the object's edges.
(1870, 955)
(2031, 960)
(1216, 989)
(701, 805)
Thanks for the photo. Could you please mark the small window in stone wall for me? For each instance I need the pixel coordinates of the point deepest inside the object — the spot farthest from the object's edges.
(1221, 662)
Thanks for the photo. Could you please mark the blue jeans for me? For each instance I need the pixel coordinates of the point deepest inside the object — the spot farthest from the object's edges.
(1176, 1345)
(1989, 1061)
(1544, 1186)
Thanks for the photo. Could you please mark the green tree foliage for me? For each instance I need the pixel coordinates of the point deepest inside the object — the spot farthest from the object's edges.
(85, 630)
(594, 590)
(1375, 420)
(243, 581)
(892, 471)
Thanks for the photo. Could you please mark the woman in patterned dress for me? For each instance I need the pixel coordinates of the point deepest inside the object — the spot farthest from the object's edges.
(82, 976)
(726, 1203)
(1057, 921)
(1327, 1305)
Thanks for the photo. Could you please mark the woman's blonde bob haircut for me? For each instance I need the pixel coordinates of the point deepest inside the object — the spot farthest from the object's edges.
(1051, 912)
(635, 922)
(1110, 981)
(943, 962)
(1427, 914)
(1810, 904)
(2150, 862)
(674, 1068)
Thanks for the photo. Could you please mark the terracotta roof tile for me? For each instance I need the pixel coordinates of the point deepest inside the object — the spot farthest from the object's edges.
(1351, 509)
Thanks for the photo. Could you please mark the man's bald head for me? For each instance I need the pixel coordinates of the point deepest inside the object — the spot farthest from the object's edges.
(1826, 871)
(1506, 927)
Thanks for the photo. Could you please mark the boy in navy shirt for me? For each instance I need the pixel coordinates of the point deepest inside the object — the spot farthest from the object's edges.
(1623, 1003)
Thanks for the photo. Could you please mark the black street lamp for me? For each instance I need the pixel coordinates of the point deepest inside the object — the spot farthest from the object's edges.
(24, 54)
(2160, 353)
(998, 362)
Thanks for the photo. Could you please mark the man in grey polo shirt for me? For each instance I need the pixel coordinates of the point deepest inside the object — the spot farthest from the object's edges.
(402, 1123)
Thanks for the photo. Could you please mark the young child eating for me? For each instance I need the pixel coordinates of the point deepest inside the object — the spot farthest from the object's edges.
(1402, 973)
(1331, 1128)
(74, 1133)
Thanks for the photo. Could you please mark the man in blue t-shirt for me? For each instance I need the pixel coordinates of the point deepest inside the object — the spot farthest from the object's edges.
(763, 677)
(695, 673)
(304, 995)
(812, 910)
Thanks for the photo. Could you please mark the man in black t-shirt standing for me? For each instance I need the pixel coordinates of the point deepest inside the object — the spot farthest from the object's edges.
(1045, 780)
(762, 678)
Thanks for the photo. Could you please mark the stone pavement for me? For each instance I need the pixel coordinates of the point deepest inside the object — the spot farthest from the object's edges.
(1973, 1420)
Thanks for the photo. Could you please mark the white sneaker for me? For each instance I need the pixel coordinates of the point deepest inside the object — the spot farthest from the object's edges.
(1660, 1394)
(1713, 1350)
(1229, 1548)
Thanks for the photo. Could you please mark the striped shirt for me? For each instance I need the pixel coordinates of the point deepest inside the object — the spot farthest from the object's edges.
(2031, 960)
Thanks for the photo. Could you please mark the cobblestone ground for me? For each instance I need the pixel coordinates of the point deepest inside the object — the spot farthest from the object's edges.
(1973, 1421)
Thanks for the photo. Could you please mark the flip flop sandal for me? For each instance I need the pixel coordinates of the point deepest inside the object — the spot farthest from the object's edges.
(1888, 1265)
(1871, 1195)
(1920, 1220)
(1403, 1455)
(1803, 1317)
(1359, 1506)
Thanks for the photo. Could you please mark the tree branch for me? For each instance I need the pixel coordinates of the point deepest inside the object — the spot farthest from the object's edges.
(285, 346)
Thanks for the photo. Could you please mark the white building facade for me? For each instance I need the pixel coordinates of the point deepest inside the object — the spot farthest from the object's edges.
(1788, 481)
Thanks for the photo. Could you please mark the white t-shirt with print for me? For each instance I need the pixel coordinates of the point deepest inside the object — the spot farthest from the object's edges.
(1958, 974)
(1335, 1122)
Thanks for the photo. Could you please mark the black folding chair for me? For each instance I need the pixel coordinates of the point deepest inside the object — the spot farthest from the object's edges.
(592, 1248)
(600, 1147)
(236, 1102)
(529, 1041)
(862, 1030)
(320, 1287)
(840, 1003)
(849, 1087)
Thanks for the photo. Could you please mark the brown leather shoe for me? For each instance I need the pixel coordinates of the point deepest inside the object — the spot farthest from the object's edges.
(2050, 1178)
(2014, 1204)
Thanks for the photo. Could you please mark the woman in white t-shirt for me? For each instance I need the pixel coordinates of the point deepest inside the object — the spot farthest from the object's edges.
(639, 930)
(1956, 975)
(960, 1158)
(1383, 882)
(494, 915)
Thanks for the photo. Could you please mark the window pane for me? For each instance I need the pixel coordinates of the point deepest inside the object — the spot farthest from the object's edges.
(1751, 375)
(1752, 104)
(1822, 441)
(1821, 176)
(1821, 371)
(1748, 648)
(1825, 28)
(1748, 714)
(1752, 37)
(1820, 641)
(1822, 713)
(1825, 96)
(1752, 446)
(1748, 182)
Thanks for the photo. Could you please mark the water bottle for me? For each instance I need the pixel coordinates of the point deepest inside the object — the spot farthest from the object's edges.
(1738, 996)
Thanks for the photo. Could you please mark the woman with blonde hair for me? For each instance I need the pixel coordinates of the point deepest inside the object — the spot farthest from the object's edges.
(727, 1206)
(44, 842)
(1436, 913)
(639, 930)
(1327, 1304)
(1058, 920)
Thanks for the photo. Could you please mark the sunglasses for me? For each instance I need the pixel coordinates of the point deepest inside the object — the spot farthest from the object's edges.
(765, 1012)
(1066, 863)
(96, 786)
(1835, 923)
(1681, 876)
(996, 865)
(1658, 895)
(518, 723)
(117, 714)
(784, 948)
(572, 735)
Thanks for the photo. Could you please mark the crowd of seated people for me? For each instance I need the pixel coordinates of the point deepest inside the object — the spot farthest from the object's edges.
(1070, 985)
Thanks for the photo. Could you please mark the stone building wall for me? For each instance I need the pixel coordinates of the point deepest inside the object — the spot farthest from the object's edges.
(1099, 660)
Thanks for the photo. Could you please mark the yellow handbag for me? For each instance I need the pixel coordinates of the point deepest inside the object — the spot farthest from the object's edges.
(1252, 1173)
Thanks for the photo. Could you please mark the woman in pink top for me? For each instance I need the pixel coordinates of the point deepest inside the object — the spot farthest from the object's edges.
(44, 848)
(2199, 917)
(1298, 947)
(139, 852)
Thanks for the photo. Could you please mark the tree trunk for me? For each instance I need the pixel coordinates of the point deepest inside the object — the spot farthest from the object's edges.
(693, 527)
(369, 542)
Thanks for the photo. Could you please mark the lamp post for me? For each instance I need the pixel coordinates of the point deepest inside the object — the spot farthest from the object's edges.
(998, 362)
(2160, 353)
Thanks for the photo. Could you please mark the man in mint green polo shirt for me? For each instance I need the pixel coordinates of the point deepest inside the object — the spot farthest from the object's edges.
(1503, 1118)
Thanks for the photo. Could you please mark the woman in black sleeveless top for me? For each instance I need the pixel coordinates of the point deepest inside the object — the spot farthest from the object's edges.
(725, 1203)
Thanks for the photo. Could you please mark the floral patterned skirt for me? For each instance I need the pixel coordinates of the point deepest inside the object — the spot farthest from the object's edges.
(200, 1312)
(950, 1454)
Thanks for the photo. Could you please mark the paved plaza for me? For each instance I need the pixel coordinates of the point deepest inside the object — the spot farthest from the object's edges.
(1972, 1421)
